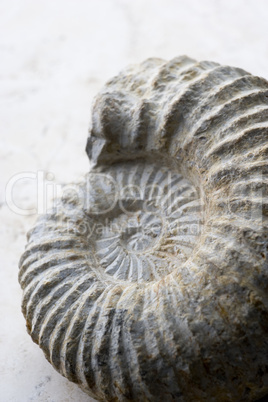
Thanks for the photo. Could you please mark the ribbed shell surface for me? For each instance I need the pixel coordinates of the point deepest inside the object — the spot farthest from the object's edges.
(169, 302)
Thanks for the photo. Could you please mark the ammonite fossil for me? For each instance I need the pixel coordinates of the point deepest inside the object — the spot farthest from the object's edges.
(150, 282)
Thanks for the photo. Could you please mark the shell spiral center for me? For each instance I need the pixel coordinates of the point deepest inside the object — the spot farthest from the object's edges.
(147, 220)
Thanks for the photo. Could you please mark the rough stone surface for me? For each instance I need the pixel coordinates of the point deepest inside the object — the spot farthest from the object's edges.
(149, 282)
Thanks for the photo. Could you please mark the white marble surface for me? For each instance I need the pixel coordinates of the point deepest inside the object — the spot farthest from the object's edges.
(55, 56)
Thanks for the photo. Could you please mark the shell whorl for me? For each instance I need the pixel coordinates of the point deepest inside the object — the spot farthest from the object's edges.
(169, 302)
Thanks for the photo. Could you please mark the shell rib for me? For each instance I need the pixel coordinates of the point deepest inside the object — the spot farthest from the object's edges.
(169, 302)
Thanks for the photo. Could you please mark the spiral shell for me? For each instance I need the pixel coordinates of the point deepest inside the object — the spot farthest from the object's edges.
(150, 284)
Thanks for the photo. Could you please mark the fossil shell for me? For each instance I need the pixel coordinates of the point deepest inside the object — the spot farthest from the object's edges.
(151, 283)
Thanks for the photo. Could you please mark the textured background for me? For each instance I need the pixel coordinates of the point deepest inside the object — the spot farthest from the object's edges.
(55, 56)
